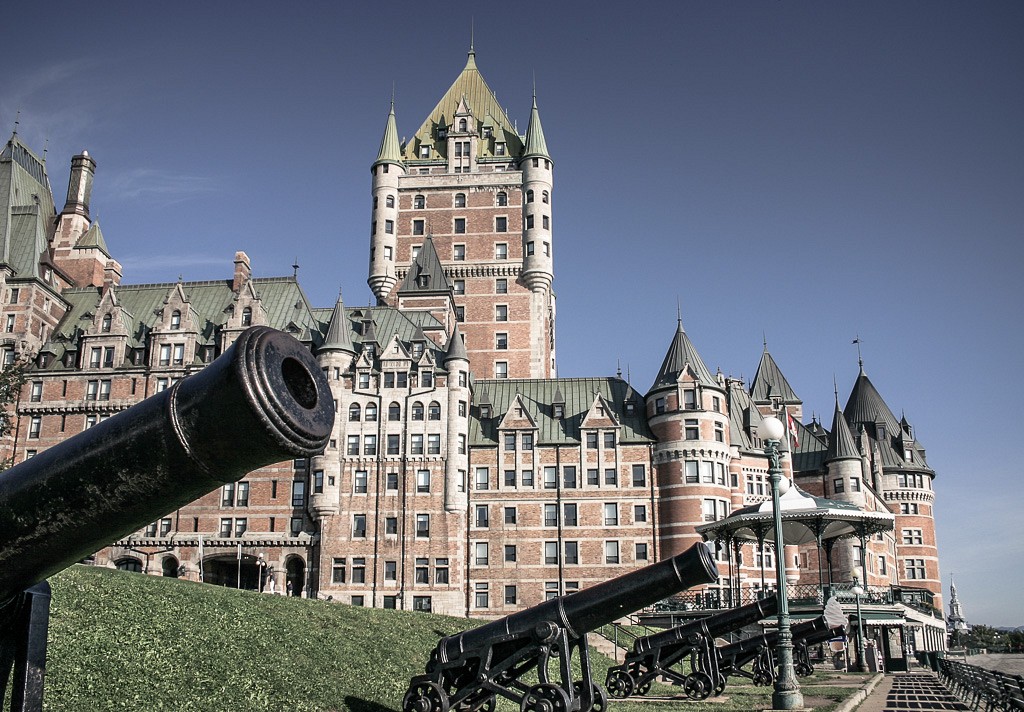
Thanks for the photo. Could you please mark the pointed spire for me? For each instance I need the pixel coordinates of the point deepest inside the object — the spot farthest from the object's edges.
(769, 381)
(425, 274)
(841, 444)
(369, 333)
(339, 336)
(535, 143)
(390, 149)
(456, 346)
(681, 353)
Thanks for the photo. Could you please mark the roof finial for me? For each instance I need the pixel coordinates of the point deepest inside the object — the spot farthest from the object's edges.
(835, 389)
(17, 120)
(679, 313)
(295, 268)
(535, 87)
(392, 96)
(627, 373)
(860, 360)
(764, 339)
(472, 52)
(46, 147)
(618, 368)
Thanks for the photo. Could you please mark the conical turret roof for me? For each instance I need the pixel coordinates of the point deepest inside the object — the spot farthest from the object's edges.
(769, 382)
(841, 445)
(390, 148)
(682, 354)
(866, 406)
(93, 237)
(535, 143)
(339, 330)
(426, 273)
(456, 346)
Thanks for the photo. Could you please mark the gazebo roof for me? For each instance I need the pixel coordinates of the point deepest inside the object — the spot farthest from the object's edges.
(805, 519)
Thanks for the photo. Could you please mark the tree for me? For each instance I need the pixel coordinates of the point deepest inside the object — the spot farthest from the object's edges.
(12, 378)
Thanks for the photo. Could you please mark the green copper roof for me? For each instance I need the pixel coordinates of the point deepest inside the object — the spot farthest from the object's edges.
(390, 149)
(538, 396)
(769, 382)
(681, 355)
(26, 209)
(483, 105)
(339, 330)
(425, 276)
(535, 143)
(93, 237)
(841, 445)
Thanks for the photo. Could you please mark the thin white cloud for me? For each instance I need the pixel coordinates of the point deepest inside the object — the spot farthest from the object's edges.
(160, 187)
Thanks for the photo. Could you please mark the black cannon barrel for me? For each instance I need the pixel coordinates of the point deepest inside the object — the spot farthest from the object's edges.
(262, 401)
(593, 607)
(832, 618)
(713, 626)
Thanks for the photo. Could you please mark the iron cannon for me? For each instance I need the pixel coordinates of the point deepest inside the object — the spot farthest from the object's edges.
(264, 400)
(661, 654)
(470, 670)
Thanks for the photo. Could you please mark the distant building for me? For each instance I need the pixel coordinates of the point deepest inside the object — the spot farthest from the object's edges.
(463, 477)
(956, 622)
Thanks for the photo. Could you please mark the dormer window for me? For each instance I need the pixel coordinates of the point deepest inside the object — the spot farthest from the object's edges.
(487, 133)
(630, 408)
(462, 125)
(881, 431)
(559, 410)
(690, 399)
(485, 411)
(499, 148)
(107, 321)
(247, 316)
(176, 319)
(424, 151)
(423, 280)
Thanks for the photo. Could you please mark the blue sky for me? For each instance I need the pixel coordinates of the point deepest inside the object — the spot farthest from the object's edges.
(792, 171)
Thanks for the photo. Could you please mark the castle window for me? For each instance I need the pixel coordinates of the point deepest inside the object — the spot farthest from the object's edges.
(354, 412)
(529, 196)
(384, 168)
(434, 411)
(527, 441)
(501, 312)
(838, 485)
(501, 199)
(176, 319)
(359, 482)
(558, 410)
(460, 226)
(691, 430)
(569, 479)
(389, 227)
(417, 227)
(460, 313)
(358, 528)
(462, 124)
(499, 148)
(641, 551)
(424, 151)
(691, 471)
(371, 412)
(423, 281)
(529, 248)
(483, 478)
(419, 202)
(298, 493)
(105, 327)
(639, 476)
(459, 286)
(179, 356)
(501, 341)
(544, 197)
(35, 426)
(611, 549)
(915, 568)
(501, 224)
(719, 433)
(611, 514)
(165, 355)
(609, 440)
(460, 200)
(501, 369)
(690, 399)
(389, 201)
(394, 411)
(417, 411)
(529, 222)
(480, 553)
(501, 286)
(536, 162)
(639, 513)
(546, 221)
(414, 252)
(422, 481)
(501, 251)
(592, 441)
(15, 293)
(459, 253)
(104, 393)
(855, 484)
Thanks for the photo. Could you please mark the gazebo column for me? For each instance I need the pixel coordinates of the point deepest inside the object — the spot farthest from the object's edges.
(829, 545)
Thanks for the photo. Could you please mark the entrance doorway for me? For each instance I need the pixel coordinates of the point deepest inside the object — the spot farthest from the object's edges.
(295, 569)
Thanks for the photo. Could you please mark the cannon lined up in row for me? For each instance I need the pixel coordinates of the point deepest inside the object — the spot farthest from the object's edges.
(759, 650)
(662, 654)
(469, 671)
(264, 400)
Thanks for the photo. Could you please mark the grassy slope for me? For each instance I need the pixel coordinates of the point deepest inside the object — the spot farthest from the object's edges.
(122, 641)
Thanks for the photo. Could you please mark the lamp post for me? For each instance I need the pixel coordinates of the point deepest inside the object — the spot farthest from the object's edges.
(858, 591)
(787, 695)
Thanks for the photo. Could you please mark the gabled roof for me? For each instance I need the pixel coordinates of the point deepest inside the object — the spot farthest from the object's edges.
(26, 209)
(682, 355)
(425, 276)
(481, 102)
(512, 417)
(769, 382)
(538, 396)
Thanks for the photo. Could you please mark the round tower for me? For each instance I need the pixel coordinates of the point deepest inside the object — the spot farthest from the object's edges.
(456, 363)
(386, 171)
(538, 270)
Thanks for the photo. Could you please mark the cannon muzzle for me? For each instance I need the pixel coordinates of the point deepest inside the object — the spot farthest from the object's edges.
(262, 401)
(710, 627)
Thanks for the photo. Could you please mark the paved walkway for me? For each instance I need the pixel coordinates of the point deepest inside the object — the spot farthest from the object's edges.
(911, 692)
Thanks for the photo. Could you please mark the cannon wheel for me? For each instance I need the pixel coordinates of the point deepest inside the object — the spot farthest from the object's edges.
(720, 687)
(620, 684)
(698, 686)
(545, 697)
(803, 669)
(762, 678)
(644, 688)
(600, 697)
(425, 697)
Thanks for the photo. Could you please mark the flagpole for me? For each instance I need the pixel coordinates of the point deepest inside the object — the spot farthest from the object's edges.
(239, 565)
(201, 578)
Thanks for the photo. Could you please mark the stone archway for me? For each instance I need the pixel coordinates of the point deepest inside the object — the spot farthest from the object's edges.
(169, 567)
(129, 563)
(225, 571)
(295, 575)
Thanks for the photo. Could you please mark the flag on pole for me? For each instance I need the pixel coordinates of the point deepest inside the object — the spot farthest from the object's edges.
(791, 427)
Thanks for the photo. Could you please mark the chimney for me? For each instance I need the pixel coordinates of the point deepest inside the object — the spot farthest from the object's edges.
(242, 271)
(111, 275)
(83, 168)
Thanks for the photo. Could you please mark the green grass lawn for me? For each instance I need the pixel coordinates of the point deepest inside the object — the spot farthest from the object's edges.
(128, 642)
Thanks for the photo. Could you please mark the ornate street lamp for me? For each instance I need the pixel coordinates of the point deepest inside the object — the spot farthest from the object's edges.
(786, 695)
(858, 591)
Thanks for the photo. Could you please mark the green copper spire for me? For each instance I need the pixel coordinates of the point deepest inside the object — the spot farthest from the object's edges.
(535, 143)
(390, 149)
(339, 337)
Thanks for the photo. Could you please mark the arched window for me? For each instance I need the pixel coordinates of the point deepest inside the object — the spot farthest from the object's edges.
(419, 202)
(529, 196)
(501, 199)
(460, 200)
(394, 412)
(247, 316)
(129, 563)
(545, 197)
(354, 412)
(434, 412)
(417, 411)
(462, 124)
(169, 567)
(107, 321)
(371, 412)
(175, 319)
(390, 201)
